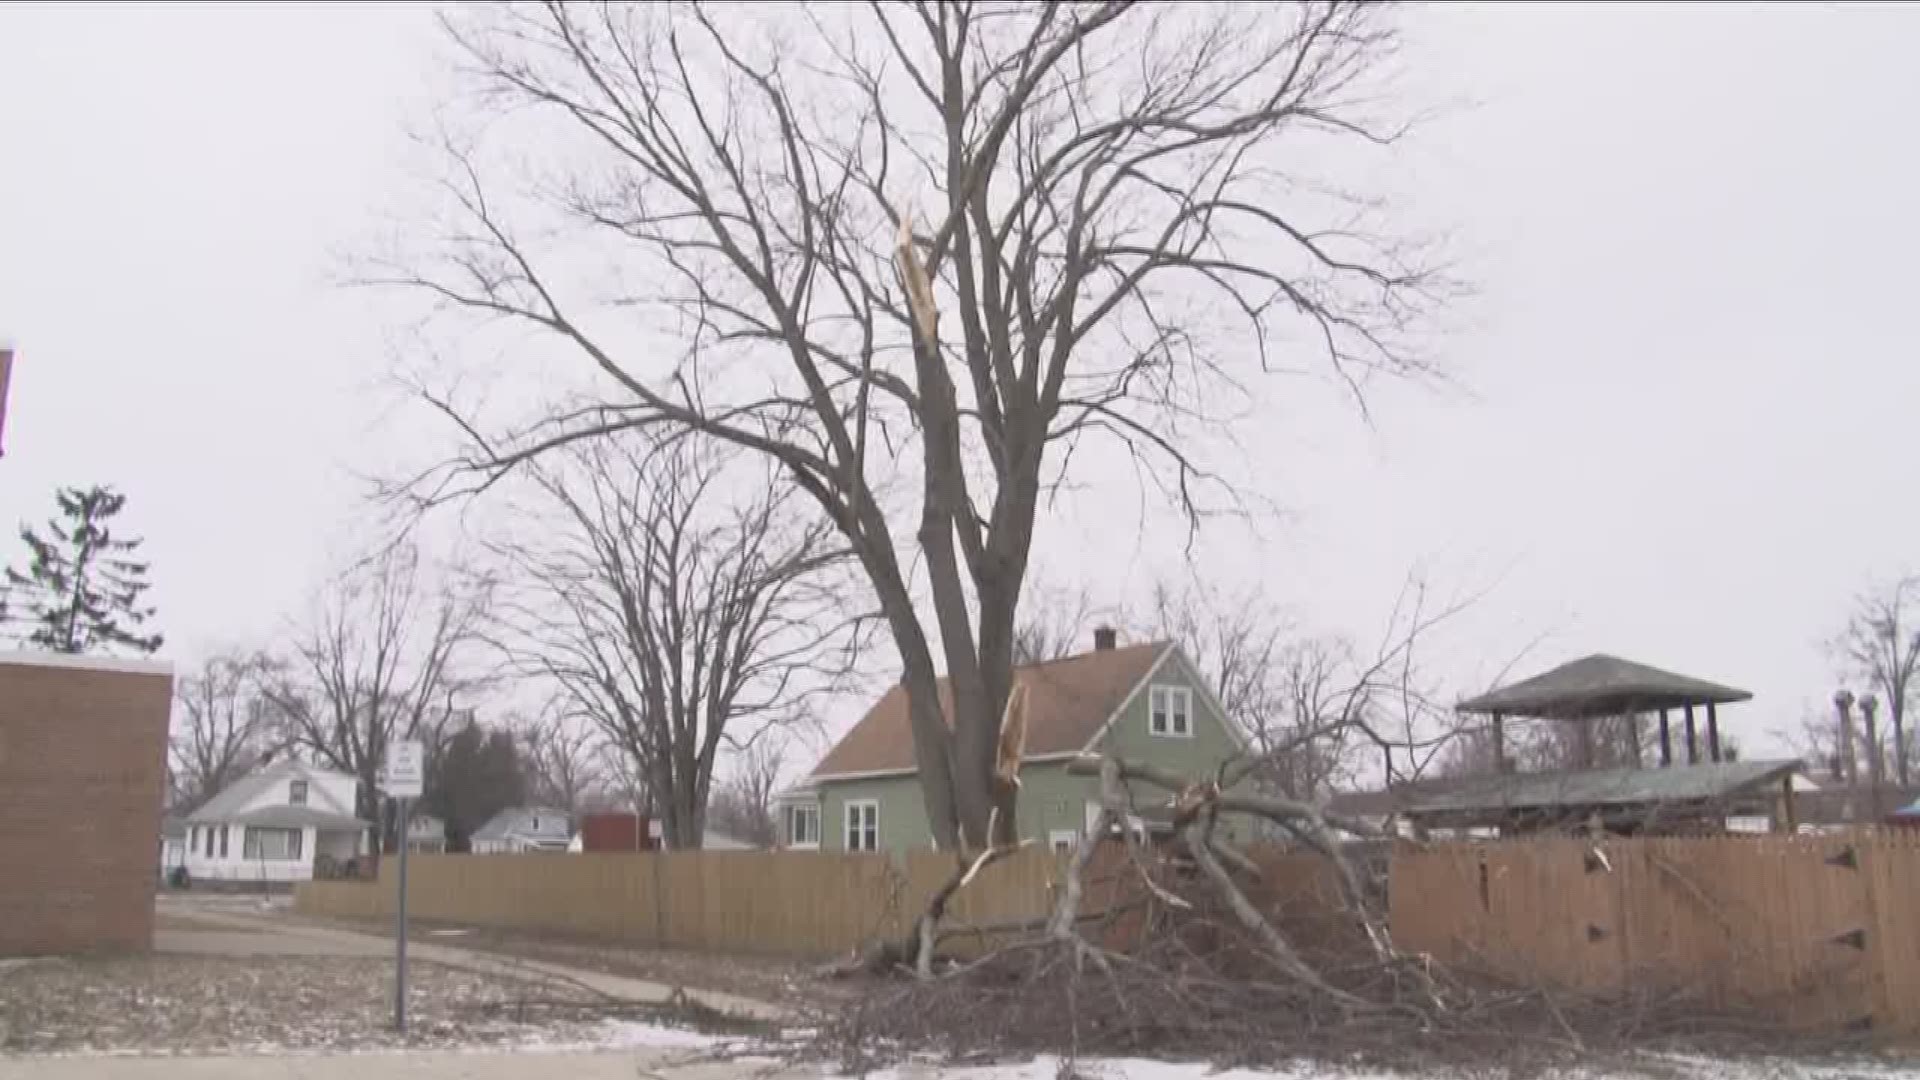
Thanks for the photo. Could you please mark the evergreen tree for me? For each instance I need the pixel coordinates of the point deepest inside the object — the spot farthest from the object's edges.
(82, 586)
(475, 775)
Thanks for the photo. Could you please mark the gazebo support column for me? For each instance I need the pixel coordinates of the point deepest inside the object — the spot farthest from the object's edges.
(1713, 732)
(1499, 744)
(1666, 741)
(1693, 740)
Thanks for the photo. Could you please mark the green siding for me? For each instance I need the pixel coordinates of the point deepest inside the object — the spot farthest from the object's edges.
(1131, 738)
(903, 815)
(1050, 799)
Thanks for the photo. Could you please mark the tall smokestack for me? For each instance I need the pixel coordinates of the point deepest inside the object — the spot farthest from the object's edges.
(6, 377)
(1843, 709)
(1876, 768)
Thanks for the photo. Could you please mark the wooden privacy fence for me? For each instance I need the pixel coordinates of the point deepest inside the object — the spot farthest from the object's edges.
(1822, 932)
(794, 903)
(786, 903)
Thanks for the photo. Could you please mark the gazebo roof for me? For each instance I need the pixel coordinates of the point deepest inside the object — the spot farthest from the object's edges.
(1598, 788)
(1597, 686)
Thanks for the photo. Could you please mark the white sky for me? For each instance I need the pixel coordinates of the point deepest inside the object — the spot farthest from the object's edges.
(1678, 434)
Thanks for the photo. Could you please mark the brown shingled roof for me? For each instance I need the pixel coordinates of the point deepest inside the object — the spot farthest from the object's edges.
(1068, 700)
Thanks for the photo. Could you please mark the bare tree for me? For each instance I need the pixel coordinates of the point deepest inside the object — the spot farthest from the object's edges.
(1053, 627)
(677, 619)
(1881, 646)
(1816, 740)
(381, 660)
(1285, 689)
(223, 723)
(1120, 231)
(742, 805)
(564, 767)
(626, 786)
(1317, 709)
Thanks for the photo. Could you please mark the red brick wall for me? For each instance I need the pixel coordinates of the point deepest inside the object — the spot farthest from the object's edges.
(82, 764)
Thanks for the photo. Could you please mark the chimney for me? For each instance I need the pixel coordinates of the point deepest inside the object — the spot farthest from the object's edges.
(1104, 638)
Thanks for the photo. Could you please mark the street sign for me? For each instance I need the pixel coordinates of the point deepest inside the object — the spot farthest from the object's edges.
(406, 772)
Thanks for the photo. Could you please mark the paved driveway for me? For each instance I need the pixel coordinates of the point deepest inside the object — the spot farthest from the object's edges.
(233, 929)
(238, 931)
(240, 941)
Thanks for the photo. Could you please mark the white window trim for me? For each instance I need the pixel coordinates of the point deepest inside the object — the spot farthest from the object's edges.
(794, 808)
(1057, 837)
(847, 820)
(1184, 695)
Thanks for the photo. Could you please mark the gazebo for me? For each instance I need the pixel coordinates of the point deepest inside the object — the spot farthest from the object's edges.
(1601, 686)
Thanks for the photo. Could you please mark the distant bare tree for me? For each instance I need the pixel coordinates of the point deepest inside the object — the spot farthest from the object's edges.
(625, 787)
(564, 767)
(1881, 646)
(1055, 626)
(1816, 741)
(223, 722)
(382, 659)
(1119, 235)
(742, 805)
(1314, 706)
(677, 618)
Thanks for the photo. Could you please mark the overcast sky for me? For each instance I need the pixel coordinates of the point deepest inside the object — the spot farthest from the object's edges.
(1678, 431)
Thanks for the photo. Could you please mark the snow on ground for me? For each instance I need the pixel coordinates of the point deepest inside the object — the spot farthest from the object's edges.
(625, 1035)
(1677, 1067)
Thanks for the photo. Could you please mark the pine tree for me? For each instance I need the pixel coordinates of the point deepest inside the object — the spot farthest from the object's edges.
(82, 585)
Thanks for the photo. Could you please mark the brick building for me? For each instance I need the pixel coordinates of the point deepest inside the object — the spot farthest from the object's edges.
(82, 768)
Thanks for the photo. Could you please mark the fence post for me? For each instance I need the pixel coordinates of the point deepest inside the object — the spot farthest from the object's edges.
(658, 856)
(1879, 996)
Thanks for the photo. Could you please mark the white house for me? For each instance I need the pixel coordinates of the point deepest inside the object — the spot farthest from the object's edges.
(523, 828)
(173, 845)
(426, 833)
(274, 825)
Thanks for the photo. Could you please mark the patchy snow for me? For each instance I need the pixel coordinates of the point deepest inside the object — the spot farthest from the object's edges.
(622, 1035)
(1690, 1068)
(1048, 1068)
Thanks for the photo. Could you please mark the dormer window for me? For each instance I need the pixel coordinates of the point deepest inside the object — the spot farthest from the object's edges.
(297, 793)
(1170, 711)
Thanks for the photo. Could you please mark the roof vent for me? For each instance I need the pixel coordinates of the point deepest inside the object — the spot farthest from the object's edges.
(1104, 638)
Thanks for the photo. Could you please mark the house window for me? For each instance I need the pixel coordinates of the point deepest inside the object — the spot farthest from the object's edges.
(224, 830)
(297, 793)
(1063, 840)
(273, 845)
(1171, 711)
(803, 826)
(863, 826)
(206, 836)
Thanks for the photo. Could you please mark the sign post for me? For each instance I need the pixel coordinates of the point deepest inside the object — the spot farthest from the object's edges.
(404, 779)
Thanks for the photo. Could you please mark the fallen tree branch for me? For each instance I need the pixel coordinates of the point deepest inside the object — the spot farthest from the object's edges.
(1279, 950)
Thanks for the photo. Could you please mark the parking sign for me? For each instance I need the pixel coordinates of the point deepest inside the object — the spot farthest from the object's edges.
(406, 772)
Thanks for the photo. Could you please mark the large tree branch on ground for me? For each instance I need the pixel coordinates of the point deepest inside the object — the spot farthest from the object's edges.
(1278, 949)
(1185, 789)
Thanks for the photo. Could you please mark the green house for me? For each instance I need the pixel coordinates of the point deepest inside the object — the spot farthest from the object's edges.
(1144, 702)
